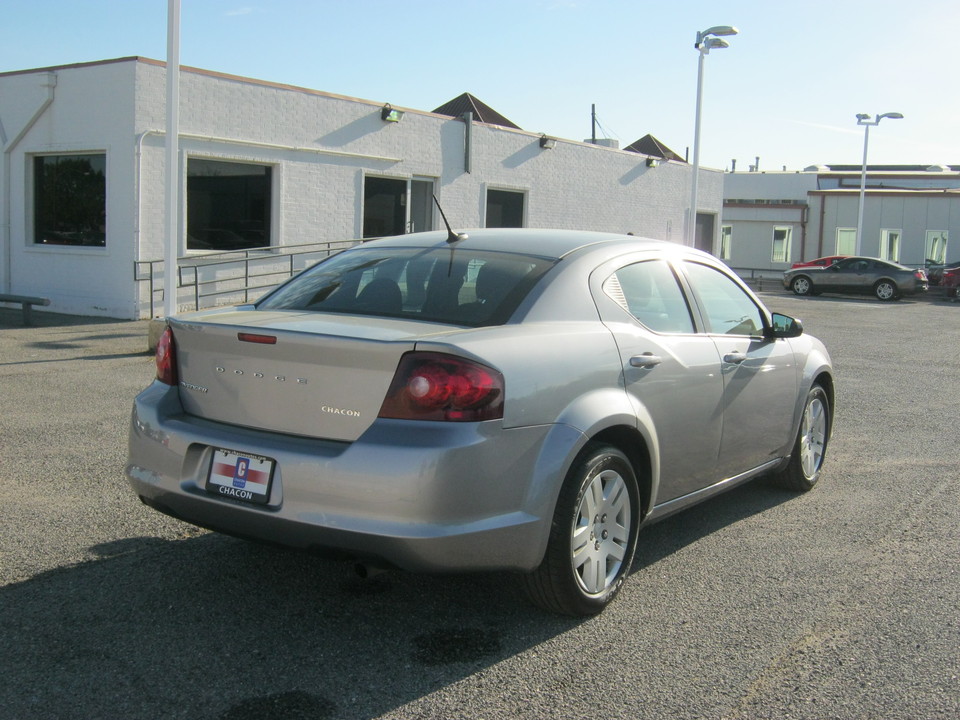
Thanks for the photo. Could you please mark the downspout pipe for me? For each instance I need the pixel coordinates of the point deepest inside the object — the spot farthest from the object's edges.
(50, 83)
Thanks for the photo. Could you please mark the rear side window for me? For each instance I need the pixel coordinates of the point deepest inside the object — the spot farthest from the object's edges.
(447, 285)
(649, 291)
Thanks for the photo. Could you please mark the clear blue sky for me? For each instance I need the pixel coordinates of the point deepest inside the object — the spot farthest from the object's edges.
(787, 90)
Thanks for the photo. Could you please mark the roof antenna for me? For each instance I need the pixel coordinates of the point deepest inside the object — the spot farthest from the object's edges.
(452, 237)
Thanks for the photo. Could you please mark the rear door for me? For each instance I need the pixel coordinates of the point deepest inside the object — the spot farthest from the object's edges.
(671, 372)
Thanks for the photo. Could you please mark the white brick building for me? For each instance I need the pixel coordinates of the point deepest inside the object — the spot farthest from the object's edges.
(272, 166)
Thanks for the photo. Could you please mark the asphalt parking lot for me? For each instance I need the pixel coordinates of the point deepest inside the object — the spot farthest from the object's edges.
(840, 603)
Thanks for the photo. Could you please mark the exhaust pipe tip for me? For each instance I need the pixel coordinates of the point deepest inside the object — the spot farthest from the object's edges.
(367, 570)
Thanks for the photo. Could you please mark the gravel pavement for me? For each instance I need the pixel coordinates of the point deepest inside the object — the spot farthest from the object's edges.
(840, 603)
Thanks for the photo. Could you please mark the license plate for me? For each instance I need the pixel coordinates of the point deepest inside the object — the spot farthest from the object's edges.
(239, 475)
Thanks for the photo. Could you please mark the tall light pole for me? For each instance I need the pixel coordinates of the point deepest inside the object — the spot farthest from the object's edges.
(707, 40)
(172, 168)
(864, 119)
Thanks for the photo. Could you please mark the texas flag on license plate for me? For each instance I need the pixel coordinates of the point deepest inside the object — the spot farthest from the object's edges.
(239, 475)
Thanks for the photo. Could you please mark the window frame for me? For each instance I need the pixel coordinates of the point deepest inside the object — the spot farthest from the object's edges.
(846, 230)
(726, 241)
(33, 240)
(270, 223)
(787, 244)
(885, 234)
(524, 194)
(929, 240)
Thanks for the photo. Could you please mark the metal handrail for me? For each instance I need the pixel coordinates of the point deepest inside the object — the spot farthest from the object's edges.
(247, 273)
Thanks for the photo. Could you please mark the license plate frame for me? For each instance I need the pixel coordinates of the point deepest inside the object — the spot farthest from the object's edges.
(240, 475)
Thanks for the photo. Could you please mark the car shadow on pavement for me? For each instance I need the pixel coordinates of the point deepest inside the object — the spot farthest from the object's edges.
(211, 627)
(675, 532)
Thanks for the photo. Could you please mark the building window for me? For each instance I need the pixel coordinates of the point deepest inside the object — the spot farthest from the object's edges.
(936, 247)
(393, 206)
(504, 208)
(781, 244)
(846, 241)
(890, 245)
(228, 205)
(726, 235)
(384, 206)
(70, 200)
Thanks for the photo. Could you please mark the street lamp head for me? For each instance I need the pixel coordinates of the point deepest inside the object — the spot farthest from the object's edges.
(864, 118)
(713, 43)
(715, 31)
(720, 30)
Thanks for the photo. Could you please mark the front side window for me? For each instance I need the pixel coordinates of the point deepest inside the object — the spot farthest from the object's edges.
(846, 241)
(936, 247)
(649, 291)
(727, 308)
(504, 208)
(70, 200)
(781, 244)
(472, 288)
(228, 205)
(890, 245)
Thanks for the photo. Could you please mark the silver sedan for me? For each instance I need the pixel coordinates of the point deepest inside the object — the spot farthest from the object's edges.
(510, 400)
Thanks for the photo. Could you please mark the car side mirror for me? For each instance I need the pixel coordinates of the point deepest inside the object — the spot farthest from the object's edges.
(783, 326)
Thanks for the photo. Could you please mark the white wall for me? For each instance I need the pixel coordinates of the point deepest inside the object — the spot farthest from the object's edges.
(92, 112)
(320, 147)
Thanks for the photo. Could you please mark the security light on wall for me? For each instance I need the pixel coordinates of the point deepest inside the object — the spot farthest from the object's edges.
(652, 162)
(388, 114)
(547, 143)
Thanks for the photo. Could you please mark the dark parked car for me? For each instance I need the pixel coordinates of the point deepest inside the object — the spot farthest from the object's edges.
(508, 400)
(881, 278)
(935, 271)
(951, 280)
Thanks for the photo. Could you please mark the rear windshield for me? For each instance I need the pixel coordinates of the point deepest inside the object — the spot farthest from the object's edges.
(456, 286)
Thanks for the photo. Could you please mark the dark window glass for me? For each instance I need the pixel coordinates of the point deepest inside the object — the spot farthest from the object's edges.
(504, 208)
(228, 205)
(384, 207)
(70, 200)
(435, 285)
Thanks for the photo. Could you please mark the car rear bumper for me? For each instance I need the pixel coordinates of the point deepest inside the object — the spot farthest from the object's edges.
(420, 496)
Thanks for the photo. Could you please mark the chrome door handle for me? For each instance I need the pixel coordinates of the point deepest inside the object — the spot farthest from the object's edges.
(734, 358)
(645, 360)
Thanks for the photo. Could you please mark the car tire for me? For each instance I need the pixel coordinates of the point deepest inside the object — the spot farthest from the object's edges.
(886, 290)
(809, 449)
(593, 536)
(801, 285)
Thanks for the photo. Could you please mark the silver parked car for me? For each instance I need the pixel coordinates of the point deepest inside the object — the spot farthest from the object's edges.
(884, 279)
(509, 400)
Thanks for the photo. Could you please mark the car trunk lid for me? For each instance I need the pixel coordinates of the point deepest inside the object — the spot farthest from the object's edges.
(301, 373)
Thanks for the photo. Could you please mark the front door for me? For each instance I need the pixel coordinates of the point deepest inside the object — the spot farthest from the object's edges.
(759, 375)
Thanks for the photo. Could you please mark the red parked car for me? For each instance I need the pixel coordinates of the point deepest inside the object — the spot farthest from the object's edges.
(951, 281)
(819, 262)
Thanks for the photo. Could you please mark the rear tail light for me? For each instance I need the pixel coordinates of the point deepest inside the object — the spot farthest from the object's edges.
(435, 386)
(920, 275)
(167, 358)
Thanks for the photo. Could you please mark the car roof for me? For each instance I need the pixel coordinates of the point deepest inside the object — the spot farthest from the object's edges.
(547, 243)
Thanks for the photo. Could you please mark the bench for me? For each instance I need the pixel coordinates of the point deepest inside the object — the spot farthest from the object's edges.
(26, 302)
